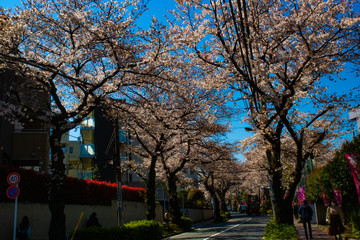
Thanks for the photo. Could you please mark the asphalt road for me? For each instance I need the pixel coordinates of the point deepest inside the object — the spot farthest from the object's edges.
(239, 227)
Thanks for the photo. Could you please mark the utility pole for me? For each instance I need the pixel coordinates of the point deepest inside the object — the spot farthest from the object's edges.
(118, 172)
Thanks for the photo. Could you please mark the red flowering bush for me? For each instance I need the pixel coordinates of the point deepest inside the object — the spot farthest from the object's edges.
(34, 187)
(134, 194)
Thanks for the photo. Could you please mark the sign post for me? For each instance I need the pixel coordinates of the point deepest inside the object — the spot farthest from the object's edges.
(13, 192)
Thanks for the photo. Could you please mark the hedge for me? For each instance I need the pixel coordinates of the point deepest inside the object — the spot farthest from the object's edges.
(142, 229)
(185, 224)
(34, 187)
(336, 174)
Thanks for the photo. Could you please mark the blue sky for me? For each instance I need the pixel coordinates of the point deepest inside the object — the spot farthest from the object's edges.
(156, 8)
(159, 8)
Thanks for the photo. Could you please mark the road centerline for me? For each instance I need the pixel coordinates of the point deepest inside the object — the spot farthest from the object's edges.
(227, 229)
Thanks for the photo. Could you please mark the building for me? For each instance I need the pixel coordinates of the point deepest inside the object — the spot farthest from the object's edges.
(93, 155)
(25, 144)
(354, 115)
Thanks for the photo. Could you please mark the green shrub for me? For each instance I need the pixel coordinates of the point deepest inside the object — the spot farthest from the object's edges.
(182, 196)
(171, 229)
(355, 226)
(265, 206)
(185, 223)
(269, 212)
(275, 231)
(263, 211)
(99, 233)
(196, 199)
(224, 216)
(143, 229)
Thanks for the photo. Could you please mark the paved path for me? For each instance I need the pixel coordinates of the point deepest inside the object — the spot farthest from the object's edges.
(317, 232)
(240, 226)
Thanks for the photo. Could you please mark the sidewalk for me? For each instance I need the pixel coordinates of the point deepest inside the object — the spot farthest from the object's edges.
(317, 232)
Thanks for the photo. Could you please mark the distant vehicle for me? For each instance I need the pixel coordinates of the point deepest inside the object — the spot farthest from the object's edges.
(243, 208)
(253, 209)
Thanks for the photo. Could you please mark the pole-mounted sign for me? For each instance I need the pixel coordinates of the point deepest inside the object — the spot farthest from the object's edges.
(13, 178)
(13, 192)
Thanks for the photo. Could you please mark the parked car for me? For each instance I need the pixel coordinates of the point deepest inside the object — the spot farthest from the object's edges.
(253, 209)
(243, 208)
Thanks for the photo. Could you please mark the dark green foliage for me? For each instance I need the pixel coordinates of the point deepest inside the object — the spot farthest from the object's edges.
(275, 231)
(195, 198)
(185, 224)
(336, 174)
(172, 228)
(143, 229)
(355, 226)
(224, 216)
(182, 195)
(265, 206)
(96, 233)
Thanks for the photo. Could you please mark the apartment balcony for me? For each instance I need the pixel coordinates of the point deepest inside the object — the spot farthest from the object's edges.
(87, 150)
(88, 123)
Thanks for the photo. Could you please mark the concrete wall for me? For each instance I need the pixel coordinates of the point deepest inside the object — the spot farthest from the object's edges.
(199, 215)
(39, 216)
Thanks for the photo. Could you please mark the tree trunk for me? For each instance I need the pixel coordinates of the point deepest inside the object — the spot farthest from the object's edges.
(283, 200)
(282, 204)
(173, 201)
(57, 201)
(215, 201)
(222, 201)
(151, 191)
(283, 212)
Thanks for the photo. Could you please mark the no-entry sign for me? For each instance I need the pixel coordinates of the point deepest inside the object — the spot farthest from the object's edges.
(13, 178)
(12, 192)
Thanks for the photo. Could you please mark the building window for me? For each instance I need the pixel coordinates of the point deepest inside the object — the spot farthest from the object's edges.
(71, 150)
(130, 177)
(122, 136)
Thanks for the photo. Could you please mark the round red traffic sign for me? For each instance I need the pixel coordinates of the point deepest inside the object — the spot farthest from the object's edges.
(12, 192)
(13, 178)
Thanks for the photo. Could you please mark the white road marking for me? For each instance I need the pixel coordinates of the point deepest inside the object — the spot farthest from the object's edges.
(227, 229)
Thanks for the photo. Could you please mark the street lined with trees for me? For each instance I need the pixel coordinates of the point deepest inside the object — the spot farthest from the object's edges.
(171, 87)
(275, 54)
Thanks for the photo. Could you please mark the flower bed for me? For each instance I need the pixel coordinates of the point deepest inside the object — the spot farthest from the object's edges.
(34, 187)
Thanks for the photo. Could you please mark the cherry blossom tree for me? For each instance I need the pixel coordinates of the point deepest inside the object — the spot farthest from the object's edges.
(144, 120)
(195, 129)
(168, 116)
(76, 53)
(275, 55)
(226, 177)
(166, 120)
(218, 171)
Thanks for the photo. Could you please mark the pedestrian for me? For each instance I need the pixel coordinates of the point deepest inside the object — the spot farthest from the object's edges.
(296, 210)
(167, 217)
(23, 231)
(93, 221)
(335, 219)
(306, 214)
